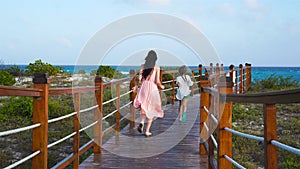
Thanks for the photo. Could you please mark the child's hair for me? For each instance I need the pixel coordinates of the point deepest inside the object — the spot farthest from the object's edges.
(182, 70)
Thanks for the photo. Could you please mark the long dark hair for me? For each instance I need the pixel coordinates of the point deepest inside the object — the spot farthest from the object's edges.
(149, 63)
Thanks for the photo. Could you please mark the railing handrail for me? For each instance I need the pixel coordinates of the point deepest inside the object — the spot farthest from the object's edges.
(252, 137)
(19, 91)
(215, 74)
(279, 97)
(226, 98)
(37, 92)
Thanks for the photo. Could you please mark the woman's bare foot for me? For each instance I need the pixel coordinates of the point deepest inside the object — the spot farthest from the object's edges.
(147, 134)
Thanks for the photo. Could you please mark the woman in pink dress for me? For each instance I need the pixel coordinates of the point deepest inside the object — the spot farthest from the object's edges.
(148, 97)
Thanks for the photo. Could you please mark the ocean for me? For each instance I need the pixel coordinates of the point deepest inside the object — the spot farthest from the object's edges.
(257, 72)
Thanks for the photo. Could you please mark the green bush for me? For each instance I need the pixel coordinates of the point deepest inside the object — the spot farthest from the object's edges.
(6, 78)
(40, 67)
(15, 71)
(17, 106)
(81, 71)
(274, 82)
(107, 71)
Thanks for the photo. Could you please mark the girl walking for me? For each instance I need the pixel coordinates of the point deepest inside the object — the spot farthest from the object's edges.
(183, 92)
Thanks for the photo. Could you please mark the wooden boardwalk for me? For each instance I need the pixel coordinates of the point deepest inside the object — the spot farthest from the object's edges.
(173, 144)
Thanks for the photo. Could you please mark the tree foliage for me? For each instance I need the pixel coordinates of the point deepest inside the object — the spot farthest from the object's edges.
(15, 71)
(274, 82)
(6, 78)
(81, 71)
(40, 67)
(17, 106)
(107, 71)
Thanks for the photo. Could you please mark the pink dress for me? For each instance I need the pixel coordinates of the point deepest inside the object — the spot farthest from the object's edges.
(148, 98)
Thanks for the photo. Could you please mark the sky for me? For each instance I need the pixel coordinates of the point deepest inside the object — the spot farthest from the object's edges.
(260, 32)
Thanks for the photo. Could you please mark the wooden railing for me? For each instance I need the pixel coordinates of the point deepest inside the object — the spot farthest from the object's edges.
(216, 121)
(41, 93)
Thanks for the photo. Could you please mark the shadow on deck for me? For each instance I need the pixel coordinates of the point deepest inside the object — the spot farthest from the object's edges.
(173, 144)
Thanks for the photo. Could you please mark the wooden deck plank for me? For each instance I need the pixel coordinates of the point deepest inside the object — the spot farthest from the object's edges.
(173, 144)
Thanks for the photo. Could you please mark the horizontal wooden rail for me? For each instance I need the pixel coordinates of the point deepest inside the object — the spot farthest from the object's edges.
(280, 97)
(17, 91)
(61, 91)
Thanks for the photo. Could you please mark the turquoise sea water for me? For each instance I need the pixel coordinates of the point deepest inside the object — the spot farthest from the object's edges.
(257, 72)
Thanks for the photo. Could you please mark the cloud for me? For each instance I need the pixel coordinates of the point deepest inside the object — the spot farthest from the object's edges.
(11, 46)
(66, 42)
(158, 2)
(252, 4)
(228, 9)
(256, 9)
(294, 29)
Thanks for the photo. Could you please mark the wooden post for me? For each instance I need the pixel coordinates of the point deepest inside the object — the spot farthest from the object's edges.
(241, 82)
(233, 77)
(217, 72)
(76, 142)
(160, 79)
(118, 116)
(199, 78)
(211, 69)
(132, 97)
(200, 71)
(214, 68)
(40, 115)
(248, 75)
(270, 133)
(204, 102)
(211, 73)
(225, 138)
(98, 114)
(173, 88)
(160, 75)
(193, 79)
(211, 146)
(210, 123)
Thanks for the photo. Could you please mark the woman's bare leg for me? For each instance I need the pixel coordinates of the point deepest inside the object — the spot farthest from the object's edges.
(141, 125)
(184, 104)
(180, 110)
(143, 118)
(149, 123)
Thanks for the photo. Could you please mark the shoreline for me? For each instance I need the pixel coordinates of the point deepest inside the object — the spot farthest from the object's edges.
(258, 72)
